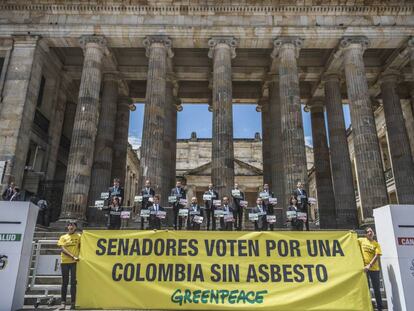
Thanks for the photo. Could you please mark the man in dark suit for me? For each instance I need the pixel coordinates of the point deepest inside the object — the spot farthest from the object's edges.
(15, 195)
(302, 198)
(193, 211)
(179, 193)
(155, 221)
(238, 196)
(116, 191)
(269, 207)
(226, 225)
(147, 193)
(7, 194)
(261, 223)
(210, 207)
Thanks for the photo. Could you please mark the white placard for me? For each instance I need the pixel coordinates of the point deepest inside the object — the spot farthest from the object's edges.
(198, 219)
(104, 195)
(161, 214)
(183, 201)
(253, 216)
(125, 214)
(207, 197)
(264, 195)
(18, 220)
(302, 216)
(172, 199)
(244, 203)
(144, 213)
(217, 202)
(183, 212)
(235, 193)
(271, 219)
(194, 213)
(291, 215)
(273, 201)
(218, 213)
(312, 200)
(99, 203)
(138, 198)
(228, 217)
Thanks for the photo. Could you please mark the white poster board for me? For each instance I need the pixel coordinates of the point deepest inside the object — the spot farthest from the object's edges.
(395, 231)
(17, 225)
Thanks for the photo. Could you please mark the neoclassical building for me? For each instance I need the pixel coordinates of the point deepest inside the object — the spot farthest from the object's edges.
(83, 64)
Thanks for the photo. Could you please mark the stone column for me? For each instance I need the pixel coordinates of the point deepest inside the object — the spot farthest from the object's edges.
(17, 109)
(158, 49)
(408, 112)
(276, 153)
(266, 142)
(293, 141)
(222, 50)
(120, 145)
(373, 191)
(324, 189)
(76, 190)
(104, 144)
(343, 184)
(399, 145)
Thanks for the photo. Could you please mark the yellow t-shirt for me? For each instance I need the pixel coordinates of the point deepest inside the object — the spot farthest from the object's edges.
(72, 243)
(369, 249)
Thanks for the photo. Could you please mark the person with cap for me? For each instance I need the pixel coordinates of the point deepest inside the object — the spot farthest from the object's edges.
(70, 247)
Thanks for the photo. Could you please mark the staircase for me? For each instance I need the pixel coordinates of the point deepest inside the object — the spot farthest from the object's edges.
(43, 290)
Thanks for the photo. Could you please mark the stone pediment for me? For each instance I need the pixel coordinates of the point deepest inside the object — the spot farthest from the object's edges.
(240, 169)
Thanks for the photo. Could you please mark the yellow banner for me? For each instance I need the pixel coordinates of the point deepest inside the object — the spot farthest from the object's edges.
(221, 270)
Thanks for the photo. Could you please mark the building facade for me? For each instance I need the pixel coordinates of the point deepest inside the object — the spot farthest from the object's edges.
(70, 71)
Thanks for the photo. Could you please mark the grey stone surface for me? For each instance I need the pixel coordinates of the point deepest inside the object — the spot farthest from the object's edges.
(266, 141)
(324, 188)
(373, 191)
(77, 182)
(222, 50)
(342, 179)
(399, 144)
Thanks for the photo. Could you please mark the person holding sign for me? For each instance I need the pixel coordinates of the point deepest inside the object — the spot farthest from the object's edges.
(371, 252)
(69, 255)
(209, 196)
(260, 224)
(292, 215)
(195, 217)
(266, 194)
(179, 193)
(116, 191)
(114, 214)
(238, 196)
(226, 222)
(302, 197)
(147, 194)
(157, 214)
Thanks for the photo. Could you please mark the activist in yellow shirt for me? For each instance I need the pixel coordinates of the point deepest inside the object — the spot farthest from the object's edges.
(369, 249)
(71, 242)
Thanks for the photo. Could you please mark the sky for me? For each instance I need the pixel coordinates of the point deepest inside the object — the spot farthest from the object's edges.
(197, 118)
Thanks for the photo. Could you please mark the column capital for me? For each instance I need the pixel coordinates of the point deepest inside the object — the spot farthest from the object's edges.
(354, 42)
(111, 76)
(316, 104)
(331, 76)
(390, 76)
(287, 42)
(96, 41)
(160, 41)
(231, 42)
(25, 40)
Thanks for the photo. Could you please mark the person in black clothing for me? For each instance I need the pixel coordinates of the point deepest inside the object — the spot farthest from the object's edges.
(179, 193)
(238, 209)
(193, 211)
(155, 220)
(7, 194)
(228, 210)
(15, 195)
(114, 214)
(302, 197)
(261, 223)
(297, 224)
(210, 207)
(116, 191)
(266, 203)
(147, 193)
